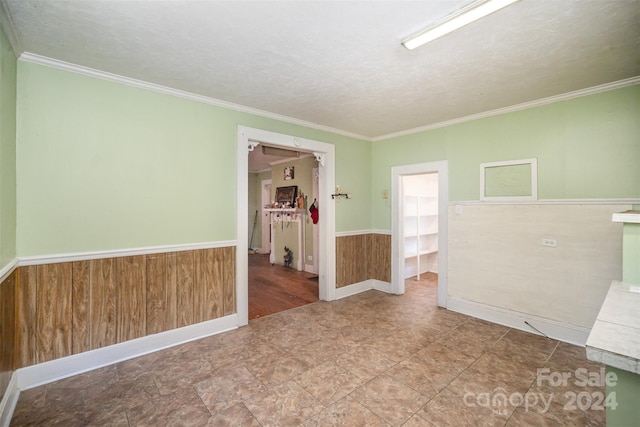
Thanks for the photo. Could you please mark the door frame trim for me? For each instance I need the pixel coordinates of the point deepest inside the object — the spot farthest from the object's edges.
(397, 206)
(323, 151)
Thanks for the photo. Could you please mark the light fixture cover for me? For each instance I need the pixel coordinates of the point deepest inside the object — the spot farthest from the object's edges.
(282, 152)
(469, 14)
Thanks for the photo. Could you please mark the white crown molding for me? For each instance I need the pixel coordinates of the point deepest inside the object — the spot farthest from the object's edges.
(630, 201)
(6, 20)
(79, 69)
(525, 105)
(84, 256)
(8, 269)
(67, 66)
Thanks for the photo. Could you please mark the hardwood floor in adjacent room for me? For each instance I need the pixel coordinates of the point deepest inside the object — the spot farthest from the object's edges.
(275, 288)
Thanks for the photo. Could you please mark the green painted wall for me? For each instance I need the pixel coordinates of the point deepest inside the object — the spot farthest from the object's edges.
(631, 253)
(7, 152)
(626, 399)
(587, 147)
(102, 166)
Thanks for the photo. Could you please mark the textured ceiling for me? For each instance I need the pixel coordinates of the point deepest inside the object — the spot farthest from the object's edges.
(340, 64)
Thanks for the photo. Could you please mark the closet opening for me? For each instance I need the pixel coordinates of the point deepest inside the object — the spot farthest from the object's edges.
(419, 226)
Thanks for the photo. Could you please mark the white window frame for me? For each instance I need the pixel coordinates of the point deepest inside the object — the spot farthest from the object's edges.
(534, 180)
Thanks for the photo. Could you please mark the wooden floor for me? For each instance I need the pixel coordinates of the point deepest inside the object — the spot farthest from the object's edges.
(273, 289)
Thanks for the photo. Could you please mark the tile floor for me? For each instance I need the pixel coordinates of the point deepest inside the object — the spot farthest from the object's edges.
(368, 360)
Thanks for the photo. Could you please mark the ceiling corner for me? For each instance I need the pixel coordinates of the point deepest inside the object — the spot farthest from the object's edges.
(6, 21)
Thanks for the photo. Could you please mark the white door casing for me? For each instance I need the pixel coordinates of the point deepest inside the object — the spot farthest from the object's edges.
(247, 140)
(397, 244)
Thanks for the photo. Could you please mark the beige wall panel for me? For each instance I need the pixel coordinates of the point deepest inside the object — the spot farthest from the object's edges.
(80, 307)
(185, 292)
(131, 286)
(351, 260)
(53, 311)
(496, 258)
(171, 294)
(104, 298)
(26, 316)
(379, 257)
(7, 330)
(228, 277)
(156, 298)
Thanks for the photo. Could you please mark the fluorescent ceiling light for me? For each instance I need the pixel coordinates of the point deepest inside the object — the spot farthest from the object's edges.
(465, 16)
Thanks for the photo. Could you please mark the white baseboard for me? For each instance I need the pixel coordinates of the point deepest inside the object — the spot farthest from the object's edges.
(366, 285)
(379, 285)
(9, 401)
(43, 373)
(553, 329)
(356, 288)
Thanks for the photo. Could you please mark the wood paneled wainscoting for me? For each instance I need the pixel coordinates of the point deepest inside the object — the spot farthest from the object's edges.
(67, 308)
(7, 330)
(362, 257)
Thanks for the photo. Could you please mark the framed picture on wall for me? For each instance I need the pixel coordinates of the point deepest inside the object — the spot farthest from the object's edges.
(288, 173)
(509, 180)
(286, 195)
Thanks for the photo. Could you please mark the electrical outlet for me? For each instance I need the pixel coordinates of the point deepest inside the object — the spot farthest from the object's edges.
(309, 258)
(552, 243)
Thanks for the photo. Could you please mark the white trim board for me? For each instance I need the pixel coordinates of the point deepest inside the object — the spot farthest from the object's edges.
(630, 201)
(553, 329)
(361, 232)
(54, 370)
(9, 401)
(366, 285)
(83, 256)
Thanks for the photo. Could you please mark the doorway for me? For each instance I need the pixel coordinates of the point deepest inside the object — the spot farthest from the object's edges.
(247, 140)
(419, 224)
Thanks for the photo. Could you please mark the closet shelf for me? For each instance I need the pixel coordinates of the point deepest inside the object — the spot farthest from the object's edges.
(425, 252)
